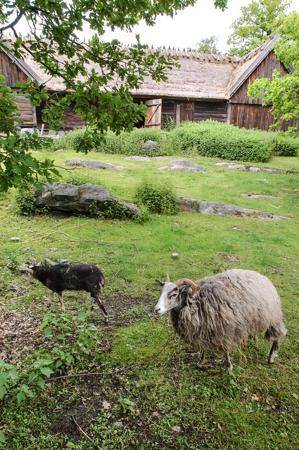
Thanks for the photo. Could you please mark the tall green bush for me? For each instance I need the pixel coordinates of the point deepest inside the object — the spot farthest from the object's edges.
(284, 146)
(208, 138)
(220, 140)
(124, 143)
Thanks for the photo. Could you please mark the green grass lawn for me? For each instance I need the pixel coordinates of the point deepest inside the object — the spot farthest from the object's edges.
(154, 395)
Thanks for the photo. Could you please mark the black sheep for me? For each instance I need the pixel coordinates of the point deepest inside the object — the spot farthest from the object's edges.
(73, 277)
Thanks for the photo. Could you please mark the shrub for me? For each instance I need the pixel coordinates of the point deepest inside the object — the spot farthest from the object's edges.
(126, 143)
(66, 141)
(283, 146)
(157, 199)
(25, 199)
(220, 140)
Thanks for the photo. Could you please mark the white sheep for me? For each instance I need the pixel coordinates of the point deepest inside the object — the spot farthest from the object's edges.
(221, 312)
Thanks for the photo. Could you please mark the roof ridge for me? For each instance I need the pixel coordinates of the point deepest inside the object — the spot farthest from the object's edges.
(177, 52)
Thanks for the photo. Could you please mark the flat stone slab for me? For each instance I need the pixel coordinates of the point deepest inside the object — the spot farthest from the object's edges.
(147, 158)
(90, 199)
(92, 164)
(183, 166)
(248, 168)
(259, 196)
(222, 209)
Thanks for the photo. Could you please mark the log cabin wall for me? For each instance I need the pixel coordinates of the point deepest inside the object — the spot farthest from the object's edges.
(72, 120)
(26, 111)
(246, 112)
(13, 74)
(178, 111)
(210, 110)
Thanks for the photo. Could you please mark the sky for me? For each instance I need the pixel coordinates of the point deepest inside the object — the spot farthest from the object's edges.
(186, 28)
(190, 26)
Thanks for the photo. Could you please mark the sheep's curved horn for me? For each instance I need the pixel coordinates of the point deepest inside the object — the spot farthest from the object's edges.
(167, 279)
(184, 281)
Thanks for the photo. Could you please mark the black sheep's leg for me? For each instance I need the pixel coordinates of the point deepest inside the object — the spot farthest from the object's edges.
(61, 301)
(96, 297)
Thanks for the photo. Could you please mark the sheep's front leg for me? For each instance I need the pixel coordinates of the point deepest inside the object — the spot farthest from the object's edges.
(273, 352)
(99, 303)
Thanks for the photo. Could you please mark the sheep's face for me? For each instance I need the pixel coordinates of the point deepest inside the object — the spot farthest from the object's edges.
(169, 298)
(27, 268)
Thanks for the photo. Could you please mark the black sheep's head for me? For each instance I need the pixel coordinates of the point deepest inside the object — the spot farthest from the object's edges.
(31, 267)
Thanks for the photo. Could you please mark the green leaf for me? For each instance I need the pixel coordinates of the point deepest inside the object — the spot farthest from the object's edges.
(3, 391)
(2, 437)
(48, 332)
(27, 391)
(46, 371)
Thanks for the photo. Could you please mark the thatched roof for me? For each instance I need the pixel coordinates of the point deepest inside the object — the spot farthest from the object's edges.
(199, 76)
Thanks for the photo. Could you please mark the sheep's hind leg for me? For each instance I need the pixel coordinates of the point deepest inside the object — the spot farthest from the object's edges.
(61, 301)
(201, 359)
(273, 352)
(228, 363)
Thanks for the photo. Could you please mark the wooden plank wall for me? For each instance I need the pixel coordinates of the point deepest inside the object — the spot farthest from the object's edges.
(13, 74)
(255, 116)
(250, 116)
(11, 71)
(264, 70)
(246, 112)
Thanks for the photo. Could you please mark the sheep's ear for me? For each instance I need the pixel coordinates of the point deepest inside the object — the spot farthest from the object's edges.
(160, 282)
(185, 292)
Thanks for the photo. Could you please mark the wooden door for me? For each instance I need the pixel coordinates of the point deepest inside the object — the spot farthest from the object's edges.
(154, 113)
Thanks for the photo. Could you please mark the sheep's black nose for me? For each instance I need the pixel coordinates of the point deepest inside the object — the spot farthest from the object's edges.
(157, 309)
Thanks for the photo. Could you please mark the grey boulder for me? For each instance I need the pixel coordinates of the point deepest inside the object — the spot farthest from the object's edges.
(88, 199)
(89, 164)
(222, 209)
(184, 166)
(150, 146)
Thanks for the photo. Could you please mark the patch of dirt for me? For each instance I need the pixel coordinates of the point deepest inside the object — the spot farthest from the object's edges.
(123, 309)
(88, 405)
(228, 257)
(82, 410)
(19, 334)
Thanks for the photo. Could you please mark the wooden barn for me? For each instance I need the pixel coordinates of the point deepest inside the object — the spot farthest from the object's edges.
(202, 87)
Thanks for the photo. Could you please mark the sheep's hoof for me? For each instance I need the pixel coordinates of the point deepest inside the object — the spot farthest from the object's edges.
(228, 364)
(272, 358)
(201, 363)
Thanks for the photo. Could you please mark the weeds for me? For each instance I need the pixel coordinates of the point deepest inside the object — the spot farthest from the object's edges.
(157, 198)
